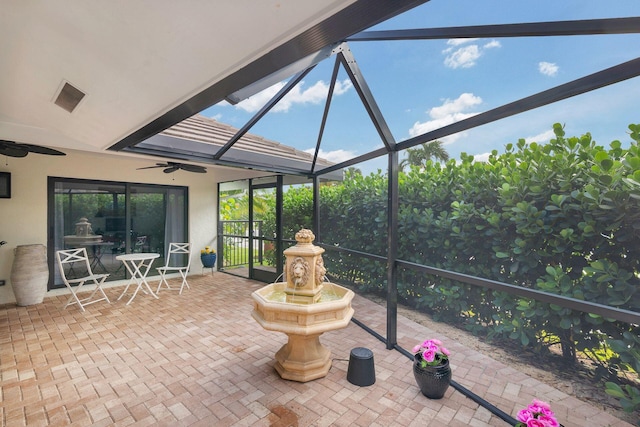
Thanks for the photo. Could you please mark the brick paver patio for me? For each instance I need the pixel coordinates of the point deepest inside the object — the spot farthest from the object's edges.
(199, 359)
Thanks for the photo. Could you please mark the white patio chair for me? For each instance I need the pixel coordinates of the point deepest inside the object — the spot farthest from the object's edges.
(141, 244)
(176, 263)
(77, 259)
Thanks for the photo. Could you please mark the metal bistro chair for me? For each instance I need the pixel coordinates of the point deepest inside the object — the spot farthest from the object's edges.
(75, 258)
(175, 263)
(141, 244)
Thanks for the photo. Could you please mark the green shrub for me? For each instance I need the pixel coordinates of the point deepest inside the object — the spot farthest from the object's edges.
(562, 217)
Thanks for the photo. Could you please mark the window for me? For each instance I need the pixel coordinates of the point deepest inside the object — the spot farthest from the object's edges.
(110, 218)
(5, 185)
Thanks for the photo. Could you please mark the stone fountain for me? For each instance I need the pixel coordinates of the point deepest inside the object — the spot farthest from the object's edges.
(303, 307)
(84, 234)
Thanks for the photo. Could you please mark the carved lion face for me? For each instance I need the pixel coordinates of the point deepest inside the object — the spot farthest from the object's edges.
(299, 272)
(320, 271)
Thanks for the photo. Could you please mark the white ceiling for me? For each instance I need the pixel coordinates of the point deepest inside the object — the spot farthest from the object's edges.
(135, 60)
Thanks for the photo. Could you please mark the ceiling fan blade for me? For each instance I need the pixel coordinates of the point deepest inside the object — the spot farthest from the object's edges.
(158, 165)
(174, 166)
(41, 150)
(11, 151)
(192, 168)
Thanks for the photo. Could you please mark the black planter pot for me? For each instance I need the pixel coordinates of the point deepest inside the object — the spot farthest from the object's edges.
(432, 380)
(208, 260)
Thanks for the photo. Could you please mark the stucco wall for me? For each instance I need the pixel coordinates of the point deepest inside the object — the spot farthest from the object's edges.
(23, 217)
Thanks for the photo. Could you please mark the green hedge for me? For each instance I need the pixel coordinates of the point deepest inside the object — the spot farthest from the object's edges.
(562, 217)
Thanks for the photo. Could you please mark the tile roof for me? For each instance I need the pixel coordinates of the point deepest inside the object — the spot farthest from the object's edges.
(209, 131)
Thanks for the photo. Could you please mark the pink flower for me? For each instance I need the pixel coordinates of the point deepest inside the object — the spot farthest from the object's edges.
(537, 414)
(429, 355)
(549, 421)
(539, 407)
(525, 415)
(540, 403)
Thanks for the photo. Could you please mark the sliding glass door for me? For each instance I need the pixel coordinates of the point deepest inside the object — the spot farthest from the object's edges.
(111, 218)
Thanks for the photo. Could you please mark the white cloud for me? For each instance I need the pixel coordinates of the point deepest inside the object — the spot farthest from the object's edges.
(483, 157)
(335, 156)
(458, 42)
(465, 56)
(548, 68)
(312, 95)
(449, 107)
(492, 44)
(449, 112)
(255, 102)
(541, 137)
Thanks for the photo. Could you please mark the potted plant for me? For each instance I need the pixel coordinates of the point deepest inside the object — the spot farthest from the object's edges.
(431, 368)
(537, 414)
(208, 257)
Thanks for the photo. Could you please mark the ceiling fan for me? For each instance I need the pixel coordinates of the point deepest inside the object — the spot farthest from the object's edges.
(14, 149)
(172, 167)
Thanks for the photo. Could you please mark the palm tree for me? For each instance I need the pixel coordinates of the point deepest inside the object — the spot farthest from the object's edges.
(418, 156)
(352, 171)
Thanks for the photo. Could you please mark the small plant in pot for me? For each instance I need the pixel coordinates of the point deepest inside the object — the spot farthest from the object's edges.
(537, 414)
(208, 257)
(431, 368)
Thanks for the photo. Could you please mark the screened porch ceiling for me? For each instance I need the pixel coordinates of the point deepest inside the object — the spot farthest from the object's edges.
(141, 67)
(238, 150)
(147, 68)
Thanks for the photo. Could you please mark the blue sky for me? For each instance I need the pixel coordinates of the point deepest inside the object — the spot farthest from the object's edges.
(422, 85)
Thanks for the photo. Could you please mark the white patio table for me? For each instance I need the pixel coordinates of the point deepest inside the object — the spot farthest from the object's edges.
(138, 265)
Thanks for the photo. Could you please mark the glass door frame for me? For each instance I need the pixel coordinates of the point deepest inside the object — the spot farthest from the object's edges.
(126, 189)
(257, 273)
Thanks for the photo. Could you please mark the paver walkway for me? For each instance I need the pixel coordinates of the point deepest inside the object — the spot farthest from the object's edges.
(199, 359)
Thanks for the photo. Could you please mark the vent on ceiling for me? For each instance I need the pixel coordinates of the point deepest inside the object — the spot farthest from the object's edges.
(69, 97)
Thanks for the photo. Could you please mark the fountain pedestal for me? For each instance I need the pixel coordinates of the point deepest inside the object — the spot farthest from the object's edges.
(303, 358)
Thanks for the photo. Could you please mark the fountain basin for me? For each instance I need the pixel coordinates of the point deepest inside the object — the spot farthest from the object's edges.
(303, 358)
(305, 319)
(82, 240)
